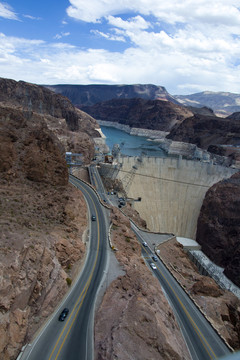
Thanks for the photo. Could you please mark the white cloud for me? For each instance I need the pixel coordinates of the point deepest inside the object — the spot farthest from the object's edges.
(7, 12)
(165, 64)
(135, 23)
(170, 11)
(185, 45)
(61, 35)
(109, 36)
(32, 17)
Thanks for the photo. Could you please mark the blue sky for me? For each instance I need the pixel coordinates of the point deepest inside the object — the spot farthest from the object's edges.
(185, 45)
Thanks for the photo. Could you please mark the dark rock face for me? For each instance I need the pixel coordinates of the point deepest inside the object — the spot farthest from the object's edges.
(218, 226)
(207, 130)
(201, 110)
(92, 94)
(140, 113)
(234, 116)
(73, 127)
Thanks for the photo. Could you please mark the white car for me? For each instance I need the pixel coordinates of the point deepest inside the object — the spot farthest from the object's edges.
(153, 266)
(144, 243)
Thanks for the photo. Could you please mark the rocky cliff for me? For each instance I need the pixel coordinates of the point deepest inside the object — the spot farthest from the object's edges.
(207, 130)
(42, 221)
(140, 113)
(73, 127)
(135, 320)
(91, 94)
(219, 226)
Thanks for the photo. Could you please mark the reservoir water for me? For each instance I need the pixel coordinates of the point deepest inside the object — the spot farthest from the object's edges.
(131, 145)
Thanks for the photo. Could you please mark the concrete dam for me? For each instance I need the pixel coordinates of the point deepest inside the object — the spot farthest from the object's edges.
(171, 189)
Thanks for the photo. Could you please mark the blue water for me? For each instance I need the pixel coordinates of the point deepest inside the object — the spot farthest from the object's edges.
(131, 145)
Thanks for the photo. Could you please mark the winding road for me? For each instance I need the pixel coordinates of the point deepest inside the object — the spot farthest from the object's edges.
(202, 340)
(72, 339)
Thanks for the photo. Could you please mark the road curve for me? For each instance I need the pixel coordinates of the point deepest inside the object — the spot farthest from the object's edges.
(202, 340)
(72, 339)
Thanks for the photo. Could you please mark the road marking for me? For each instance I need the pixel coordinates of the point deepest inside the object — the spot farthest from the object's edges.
(83, 293)
(197, 330)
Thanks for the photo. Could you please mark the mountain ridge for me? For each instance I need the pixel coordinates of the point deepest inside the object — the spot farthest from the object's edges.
(222, 103)
(92, 94)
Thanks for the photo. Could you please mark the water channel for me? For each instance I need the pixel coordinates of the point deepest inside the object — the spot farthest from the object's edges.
(131, 145)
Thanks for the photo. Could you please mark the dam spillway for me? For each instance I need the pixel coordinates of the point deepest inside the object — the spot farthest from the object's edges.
(171, 189)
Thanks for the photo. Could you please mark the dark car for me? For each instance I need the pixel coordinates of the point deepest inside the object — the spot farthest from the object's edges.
(63, 314)
(154, 257)
(93, 218)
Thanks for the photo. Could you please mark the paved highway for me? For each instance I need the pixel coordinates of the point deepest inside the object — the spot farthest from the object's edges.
(72, 339)
(97, 182)
(202, 340)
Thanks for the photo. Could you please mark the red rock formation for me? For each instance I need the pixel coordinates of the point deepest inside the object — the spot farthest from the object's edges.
(218, 226)
(28, 149)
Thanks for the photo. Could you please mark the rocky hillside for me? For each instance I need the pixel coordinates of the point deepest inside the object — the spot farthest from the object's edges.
(135, 320)
(42, 221)
(218, 226)
(91, 94)
(222, 103)
(140, 113)
(207, 130)
(72, 126)
(221, 307)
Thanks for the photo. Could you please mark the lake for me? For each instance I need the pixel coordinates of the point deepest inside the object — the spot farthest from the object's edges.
(131, 145)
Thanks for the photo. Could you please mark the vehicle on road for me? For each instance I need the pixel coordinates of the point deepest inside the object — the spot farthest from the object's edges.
(154, 257)
(153, 266)
(93, 218)
(144, 244)
(63, 314)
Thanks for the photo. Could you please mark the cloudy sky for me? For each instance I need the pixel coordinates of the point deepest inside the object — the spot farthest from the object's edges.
(185, 45)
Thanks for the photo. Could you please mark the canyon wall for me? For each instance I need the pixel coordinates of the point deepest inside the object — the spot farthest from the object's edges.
(171, 190)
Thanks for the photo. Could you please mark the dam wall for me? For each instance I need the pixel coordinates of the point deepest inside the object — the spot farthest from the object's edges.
(171, 190)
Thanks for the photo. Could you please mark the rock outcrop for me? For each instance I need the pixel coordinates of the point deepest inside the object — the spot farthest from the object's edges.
(74, 128)
(140, 113)
(221, 307)
(42, 221)
(91, 94)
(135, 320)
(207, 130)
(219, 226)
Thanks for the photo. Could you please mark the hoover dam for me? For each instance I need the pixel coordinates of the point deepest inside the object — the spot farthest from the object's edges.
(171, 189)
